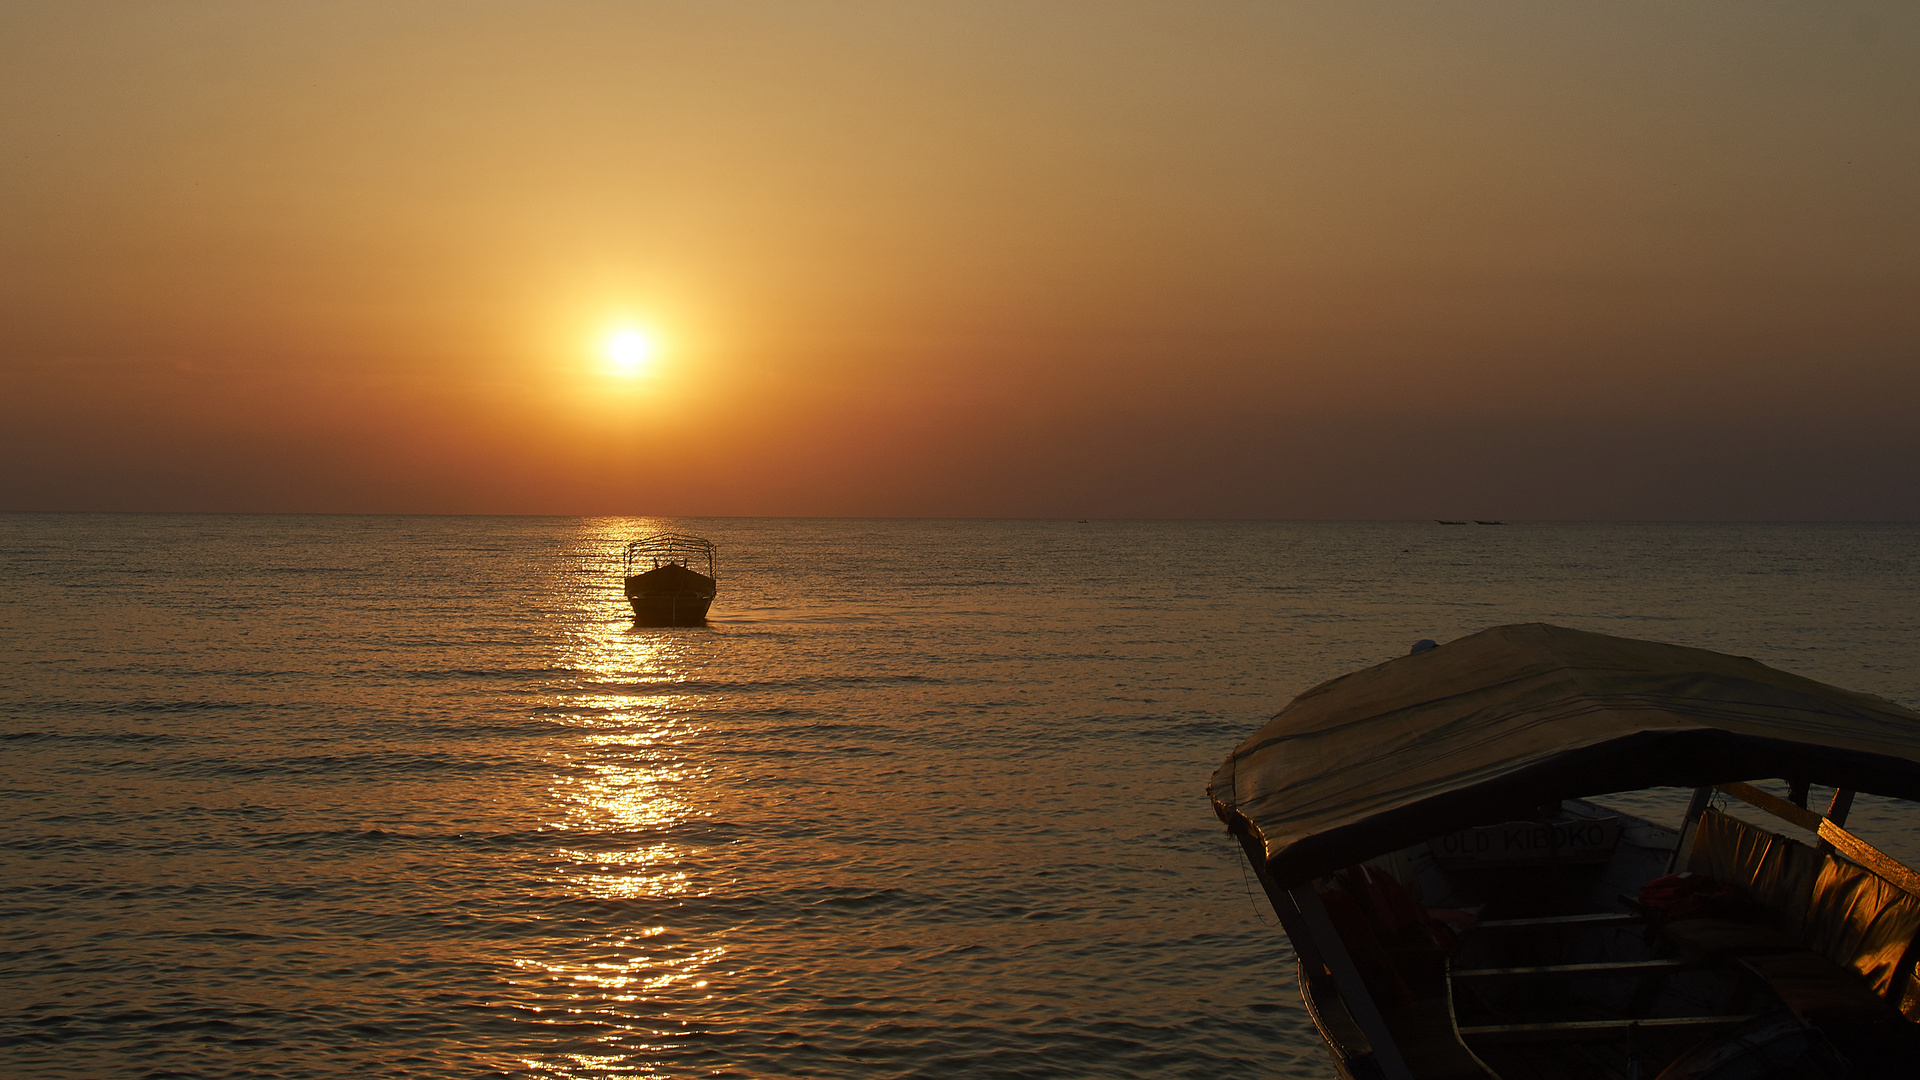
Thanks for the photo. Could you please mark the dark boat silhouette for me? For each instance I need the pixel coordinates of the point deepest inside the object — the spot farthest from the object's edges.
(663, 582)
(1459, 910)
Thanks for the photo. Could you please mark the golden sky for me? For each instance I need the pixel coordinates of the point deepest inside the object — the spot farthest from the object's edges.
(1115, 258)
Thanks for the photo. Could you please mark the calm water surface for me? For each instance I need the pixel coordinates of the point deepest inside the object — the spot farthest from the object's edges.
(394, 796)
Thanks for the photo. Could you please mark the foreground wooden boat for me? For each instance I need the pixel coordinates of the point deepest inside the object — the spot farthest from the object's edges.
(1459, 910)
(664, 582)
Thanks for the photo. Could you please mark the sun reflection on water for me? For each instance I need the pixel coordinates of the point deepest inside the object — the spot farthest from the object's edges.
(629, 875)
(623, 792)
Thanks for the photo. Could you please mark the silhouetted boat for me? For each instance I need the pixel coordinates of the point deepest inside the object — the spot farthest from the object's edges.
(1444, 521)
(1458, 910)
(1479, 522)
(663, 582)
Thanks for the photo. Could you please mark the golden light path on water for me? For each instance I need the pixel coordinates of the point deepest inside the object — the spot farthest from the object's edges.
(620, 786)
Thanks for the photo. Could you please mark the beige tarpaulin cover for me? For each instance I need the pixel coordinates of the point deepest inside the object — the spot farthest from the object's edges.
(1485, 728)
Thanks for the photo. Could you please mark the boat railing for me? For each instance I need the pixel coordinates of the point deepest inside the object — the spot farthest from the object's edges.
(660, 549)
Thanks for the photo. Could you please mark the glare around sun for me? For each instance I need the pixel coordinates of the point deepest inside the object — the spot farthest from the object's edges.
(629, 351)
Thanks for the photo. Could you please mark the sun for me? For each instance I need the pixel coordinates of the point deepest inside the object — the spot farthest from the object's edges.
(630, 350)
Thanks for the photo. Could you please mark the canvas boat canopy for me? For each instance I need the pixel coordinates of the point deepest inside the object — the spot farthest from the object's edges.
(1488, 727)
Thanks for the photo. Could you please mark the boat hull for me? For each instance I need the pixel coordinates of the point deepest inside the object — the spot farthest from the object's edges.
(670, 596)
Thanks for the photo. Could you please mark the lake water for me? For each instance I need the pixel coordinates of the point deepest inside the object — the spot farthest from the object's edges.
(411, 796)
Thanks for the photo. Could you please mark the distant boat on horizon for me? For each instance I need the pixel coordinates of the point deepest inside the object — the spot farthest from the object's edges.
(662, 581)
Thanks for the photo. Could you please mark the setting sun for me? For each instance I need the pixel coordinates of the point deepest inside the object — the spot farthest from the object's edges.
(630, 350)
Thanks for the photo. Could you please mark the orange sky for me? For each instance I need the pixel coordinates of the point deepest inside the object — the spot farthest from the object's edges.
(1110, 258)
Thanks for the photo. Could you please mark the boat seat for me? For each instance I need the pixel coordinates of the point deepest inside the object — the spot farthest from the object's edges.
(1726, 937)
(1597, 1030)
(1571, 923)
(1830, 922)
(1817, 989)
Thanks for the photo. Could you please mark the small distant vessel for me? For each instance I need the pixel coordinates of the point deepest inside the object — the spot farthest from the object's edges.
(1477, 521)
(1460, 910)
(1444, 521)
(664, 582)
